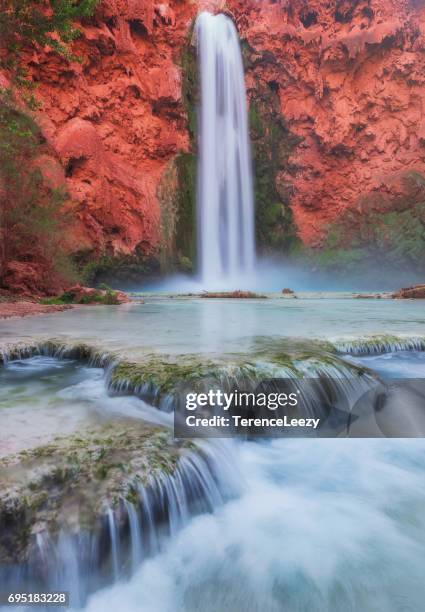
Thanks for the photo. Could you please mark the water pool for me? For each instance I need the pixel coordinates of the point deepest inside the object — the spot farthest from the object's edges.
(189, 325)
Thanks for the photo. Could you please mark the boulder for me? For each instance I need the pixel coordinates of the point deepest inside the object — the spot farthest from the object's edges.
(414, 292)
(88, 295)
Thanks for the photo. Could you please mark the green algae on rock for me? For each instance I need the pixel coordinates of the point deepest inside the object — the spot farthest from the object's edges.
(272, 145)
(69, 482)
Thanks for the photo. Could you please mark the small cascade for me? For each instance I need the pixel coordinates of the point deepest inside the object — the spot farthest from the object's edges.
(85, 558)
(57, 350)
(113, 536)
(135, 535)
(150, 532)
(226, 242)
(130, 531)
(380, 345)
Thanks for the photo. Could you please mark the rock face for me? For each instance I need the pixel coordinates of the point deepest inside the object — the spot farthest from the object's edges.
(116, 119)
(336, 92)
(30, 279)
(349, 76)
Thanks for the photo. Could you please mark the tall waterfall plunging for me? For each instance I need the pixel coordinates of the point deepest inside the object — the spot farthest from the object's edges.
(226, 242)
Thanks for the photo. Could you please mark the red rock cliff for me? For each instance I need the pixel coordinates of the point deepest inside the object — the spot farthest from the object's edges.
(351, 81)
(349, 74)
(116, 119)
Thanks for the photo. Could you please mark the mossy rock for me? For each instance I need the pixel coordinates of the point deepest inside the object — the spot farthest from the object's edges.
(177, 191)
(272, 146)
(388, 231)
(159, 377)
(117, 269)
(185, 240)
(190, 85)
(68, 483)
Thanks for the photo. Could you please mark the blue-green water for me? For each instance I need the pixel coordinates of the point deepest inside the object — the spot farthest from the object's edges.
(189, 325)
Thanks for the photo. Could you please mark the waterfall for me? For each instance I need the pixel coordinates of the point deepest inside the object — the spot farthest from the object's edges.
(226, 242)
(114, 538)
(135, 536)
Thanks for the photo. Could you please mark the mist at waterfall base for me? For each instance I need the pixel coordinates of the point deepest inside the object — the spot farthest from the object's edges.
(273, 273)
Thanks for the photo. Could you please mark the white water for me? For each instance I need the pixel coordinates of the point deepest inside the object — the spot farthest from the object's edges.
(226, 243)
(46, 389)
(318, 526)
(135, 536)
(114, 543)
(323, 526)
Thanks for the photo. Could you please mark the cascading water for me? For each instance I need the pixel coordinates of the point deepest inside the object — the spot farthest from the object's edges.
(191, 539)
(226, 242)
(91, 549)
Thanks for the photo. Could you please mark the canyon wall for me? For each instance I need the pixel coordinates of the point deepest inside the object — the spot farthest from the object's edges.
(349, 79)
(115, 122)
(336, 94)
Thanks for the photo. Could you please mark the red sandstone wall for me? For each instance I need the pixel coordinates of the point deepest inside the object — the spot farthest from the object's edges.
(351, 77)
(116, 119)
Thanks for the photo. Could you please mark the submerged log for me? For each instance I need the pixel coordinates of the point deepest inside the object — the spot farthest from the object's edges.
(240, 295)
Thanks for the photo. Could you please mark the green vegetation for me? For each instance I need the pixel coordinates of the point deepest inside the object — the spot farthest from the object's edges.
(186, 210)
(177, 191)
(161, 375)
(104, 295)
(107, 268)
(272, 144)
(50, 22)
(32, 218)
(185, 196)
(190, 85)
(394, 238)
(32, 221)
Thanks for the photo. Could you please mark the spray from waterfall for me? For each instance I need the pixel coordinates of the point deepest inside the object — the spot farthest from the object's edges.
(226, 241)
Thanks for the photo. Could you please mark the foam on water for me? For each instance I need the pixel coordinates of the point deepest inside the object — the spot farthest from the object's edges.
(401, 364)
(319, 525)
(323, 526)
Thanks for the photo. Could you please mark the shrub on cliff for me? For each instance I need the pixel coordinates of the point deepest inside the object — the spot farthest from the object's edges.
(32, 218)
(32, 221)
(45, 22)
